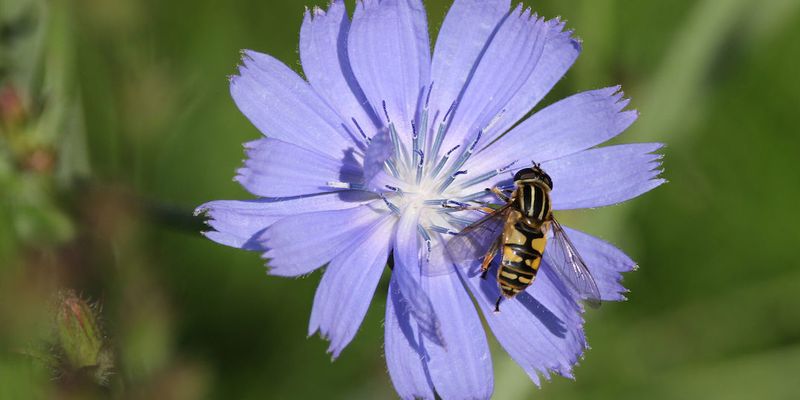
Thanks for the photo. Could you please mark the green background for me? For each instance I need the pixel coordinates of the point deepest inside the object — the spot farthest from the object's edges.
(128, 125)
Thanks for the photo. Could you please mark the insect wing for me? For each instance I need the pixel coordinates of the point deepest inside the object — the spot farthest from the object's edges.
(473, 242)
(565, 260)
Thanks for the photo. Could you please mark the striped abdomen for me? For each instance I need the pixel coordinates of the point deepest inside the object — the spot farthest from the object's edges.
(524, 236)
(523, 244)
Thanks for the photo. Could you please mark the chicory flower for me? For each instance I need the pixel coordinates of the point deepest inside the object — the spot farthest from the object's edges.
(363, 160)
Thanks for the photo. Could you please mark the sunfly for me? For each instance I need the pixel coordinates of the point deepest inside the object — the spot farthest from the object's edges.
(519, 230)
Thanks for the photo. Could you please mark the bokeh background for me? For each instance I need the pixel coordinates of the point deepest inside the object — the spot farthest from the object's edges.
(116, 122)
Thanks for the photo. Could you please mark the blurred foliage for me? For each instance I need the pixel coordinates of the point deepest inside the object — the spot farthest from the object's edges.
(115, 122)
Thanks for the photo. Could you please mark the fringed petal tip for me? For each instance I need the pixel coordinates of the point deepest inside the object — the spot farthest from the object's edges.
(617, 98)
(206, 213)
(657, 164)
(233, 223)
(560, 31)
(246, 57)
(334, 349)
(202, 210)
(247, 60)
(547, 373)
(312, 13)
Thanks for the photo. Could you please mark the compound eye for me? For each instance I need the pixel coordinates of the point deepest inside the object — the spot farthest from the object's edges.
(521, 173)
(548, 181)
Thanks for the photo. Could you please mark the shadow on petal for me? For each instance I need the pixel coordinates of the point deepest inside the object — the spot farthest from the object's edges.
(253, 244)
(404, 322)
(552, 322)
(406, 359)
(351, 170)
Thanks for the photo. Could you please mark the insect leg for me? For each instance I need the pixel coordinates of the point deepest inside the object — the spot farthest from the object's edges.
(487, 259)
(497, 304)
(466, 207)
(500, 194)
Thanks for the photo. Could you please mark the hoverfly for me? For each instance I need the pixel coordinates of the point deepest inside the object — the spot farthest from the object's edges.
(519, 230)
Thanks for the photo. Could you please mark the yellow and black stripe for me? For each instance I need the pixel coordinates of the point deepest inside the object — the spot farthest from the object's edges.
(521, 258)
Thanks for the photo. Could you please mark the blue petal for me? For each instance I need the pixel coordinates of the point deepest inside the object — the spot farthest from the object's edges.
(605, 262)
(408, 273)
(604, 176)
(346, 289)
(300, 244)
(571, 125)
(560, 52)
(283, 106)
(237, 223)
(467, 347)
(323, 53)
(597, 177)
(505, 66)
(389, 51)
(541, 328)
(405, 357)
(279, 169)
(463, 37)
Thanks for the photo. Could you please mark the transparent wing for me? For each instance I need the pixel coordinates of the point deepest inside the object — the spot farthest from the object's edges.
(473, 242)
(567, 263)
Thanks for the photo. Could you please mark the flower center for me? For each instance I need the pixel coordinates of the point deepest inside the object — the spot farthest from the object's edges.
(432, 179)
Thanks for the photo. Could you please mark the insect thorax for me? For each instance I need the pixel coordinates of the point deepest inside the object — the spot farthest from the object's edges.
(533, 200)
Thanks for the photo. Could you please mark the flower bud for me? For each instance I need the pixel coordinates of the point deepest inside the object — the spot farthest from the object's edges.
(78, 332)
